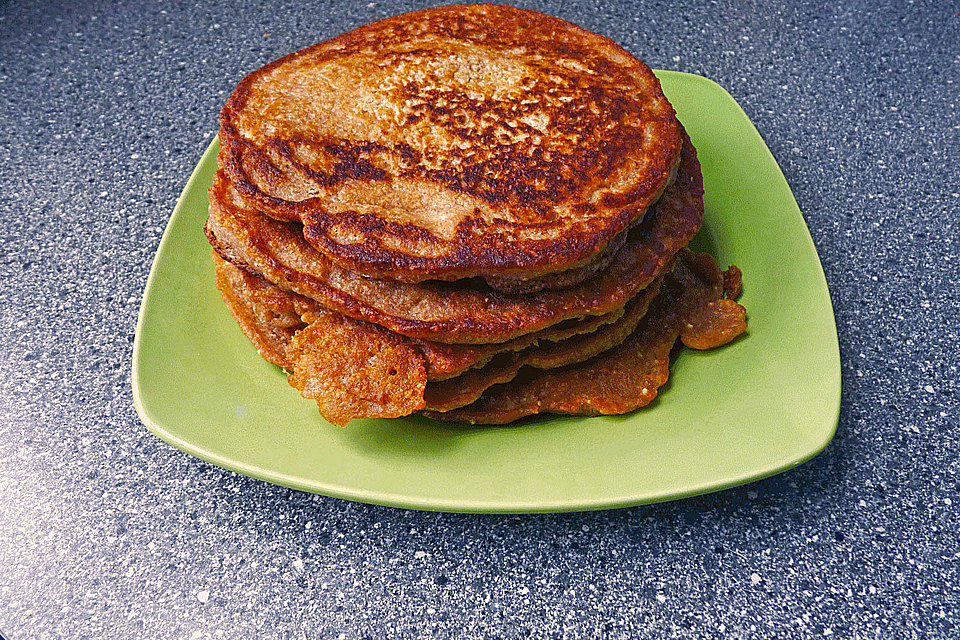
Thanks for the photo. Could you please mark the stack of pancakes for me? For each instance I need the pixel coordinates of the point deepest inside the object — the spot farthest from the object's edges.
(475, 212)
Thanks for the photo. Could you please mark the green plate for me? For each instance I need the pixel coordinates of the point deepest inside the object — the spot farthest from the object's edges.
(758, 406)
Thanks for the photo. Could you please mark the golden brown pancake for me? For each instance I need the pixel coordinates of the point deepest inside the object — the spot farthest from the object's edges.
(627, 377)
(265, 301)
(469, 385)
(453, 312)
(356, 369)
(459, 141)
(353, 369)
(268, 316)
(295, 333)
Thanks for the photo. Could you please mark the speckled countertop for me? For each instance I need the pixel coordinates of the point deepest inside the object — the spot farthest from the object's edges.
(107, 532)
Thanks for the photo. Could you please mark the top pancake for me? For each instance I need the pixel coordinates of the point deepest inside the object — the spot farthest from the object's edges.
(454, 312)
(461, 141)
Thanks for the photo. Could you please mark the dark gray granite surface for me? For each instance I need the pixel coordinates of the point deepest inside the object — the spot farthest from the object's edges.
(107, 532)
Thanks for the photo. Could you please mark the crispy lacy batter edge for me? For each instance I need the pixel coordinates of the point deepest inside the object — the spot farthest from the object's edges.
(356, 369)
(443, 361)
(483, 254)
(352, 369)
(470, 385)
(690, 307)
(442, 312)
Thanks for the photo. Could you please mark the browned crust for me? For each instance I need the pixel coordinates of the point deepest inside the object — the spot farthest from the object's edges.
(448, 360)
(470, 385)
(257, 312)
(732, 282)
(261, 303)
(629, 376)
(479, 248)
(357, 369)
(442, 312)
(560, 279)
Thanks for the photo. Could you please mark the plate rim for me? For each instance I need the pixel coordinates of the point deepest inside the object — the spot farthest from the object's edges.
(383, 498)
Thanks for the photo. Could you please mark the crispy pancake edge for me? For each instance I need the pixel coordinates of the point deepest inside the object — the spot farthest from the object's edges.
(442, 360)
(690, 307)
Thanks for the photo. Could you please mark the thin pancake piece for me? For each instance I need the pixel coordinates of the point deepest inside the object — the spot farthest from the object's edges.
(560, 279)
(355, 370)
(352, 369)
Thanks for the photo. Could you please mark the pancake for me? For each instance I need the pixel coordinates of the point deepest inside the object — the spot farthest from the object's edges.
(268, 318)
(468, 386)
(453, 312)
(691, 306)
(298, 335)
(454, 142)
(266, 302)
(356, 369)
(353, 369)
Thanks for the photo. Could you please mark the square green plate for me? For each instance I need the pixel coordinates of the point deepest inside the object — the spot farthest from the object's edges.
(758, 406)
